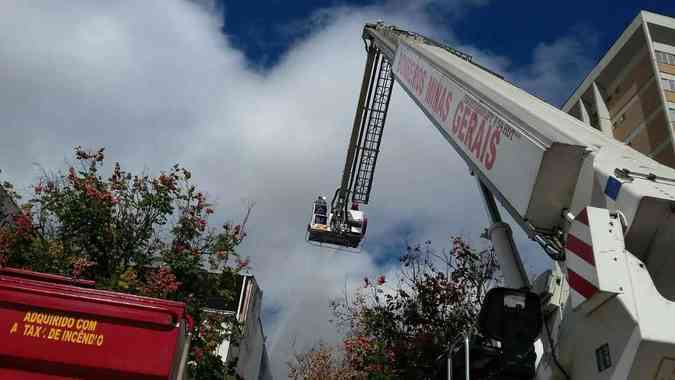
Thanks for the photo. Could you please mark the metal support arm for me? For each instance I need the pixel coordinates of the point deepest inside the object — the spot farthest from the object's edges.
(501, 236)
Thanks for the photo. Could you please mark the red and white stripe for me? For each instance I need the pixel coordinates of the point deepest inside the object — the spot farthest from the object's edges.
(581, 271)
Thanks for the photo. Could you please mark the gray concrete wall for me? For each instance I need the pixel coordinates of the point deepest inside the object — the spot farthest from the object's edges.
(251, 354)
(252, 344)
(7, 207)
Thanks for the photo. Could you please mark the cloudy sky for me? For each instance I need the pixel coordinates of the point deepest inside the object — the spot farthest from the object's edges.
(258, 99)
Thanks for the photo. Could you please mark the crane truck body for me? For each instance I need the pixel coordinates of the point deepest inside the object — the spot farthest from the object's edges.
(59, 328)
(603, 212)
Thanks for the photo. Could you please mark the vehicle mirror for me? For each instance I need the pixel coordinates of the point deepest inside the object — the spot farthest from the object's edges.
(511, 316)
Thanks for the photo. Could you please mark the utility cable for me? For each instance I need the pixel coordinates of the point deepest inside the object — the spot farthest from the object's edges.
(553, 355)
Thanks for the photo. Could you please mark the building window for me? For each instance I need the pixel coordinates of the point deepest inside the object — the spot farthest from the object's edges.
(661, 57)
(672, 114)
(667, 58)
(668, 84)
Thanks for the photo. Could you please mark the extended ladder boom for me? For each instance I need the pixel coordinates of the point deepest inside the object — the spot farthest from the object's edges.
(364, 144)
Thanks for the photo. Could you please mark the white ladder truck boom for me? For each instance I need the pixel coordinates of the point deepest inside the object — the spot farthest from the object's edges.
(602, 211)
(345, 225)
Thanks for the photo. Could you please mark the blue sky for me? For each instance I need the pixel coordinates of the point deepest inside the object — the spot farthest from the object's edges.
(264, 30)
(514, 31)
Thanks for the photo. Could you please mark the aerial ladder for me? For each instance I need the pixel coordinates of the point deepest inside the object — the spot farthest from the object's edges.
(603, 212)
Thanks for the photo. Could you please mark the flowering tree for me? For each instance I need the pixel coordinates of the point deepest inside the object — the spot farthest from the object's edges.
(132, 233)
(401, 331)
(322, 362)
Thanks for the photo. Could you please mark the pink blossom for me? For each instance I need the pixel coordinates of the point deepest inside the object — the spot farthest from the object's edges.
(243, 263)
(199, 354)
(160, 283)
(167, 182)
(24, 224)
(201, 224)
(80, 265)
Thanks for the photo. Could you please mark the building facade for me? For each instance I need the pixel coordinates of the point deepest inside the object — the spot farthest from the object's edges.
(8, 208)
(630, 94)
(250, 355)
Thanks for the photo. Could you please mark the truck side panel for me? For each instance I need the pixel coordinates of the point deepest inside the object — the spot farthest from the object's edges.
(57, 331)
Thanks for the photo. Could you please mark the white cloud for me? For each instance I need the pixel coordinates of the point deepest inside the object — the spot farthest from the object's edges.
(558, 66)
(156, 83)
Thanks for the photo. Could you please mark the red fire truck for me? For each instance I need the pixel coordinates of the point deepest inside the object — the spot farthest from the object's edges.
(59, 328)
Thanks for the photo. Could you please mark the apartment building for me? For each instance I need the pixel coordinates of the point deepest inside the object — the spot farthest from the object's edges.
(250, 355)
(8, 208)
(630, 94)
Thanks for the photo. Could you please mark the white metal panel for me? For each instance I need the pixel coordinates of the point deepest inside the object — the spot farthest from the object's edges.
(608, 250)
(489, 141)
(497, 127)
